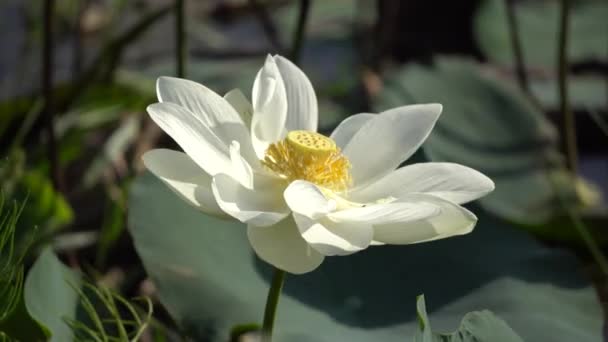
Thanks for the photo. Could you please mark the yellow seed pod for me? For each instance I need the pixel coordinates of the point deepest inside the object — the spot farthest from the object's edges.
(313, 143)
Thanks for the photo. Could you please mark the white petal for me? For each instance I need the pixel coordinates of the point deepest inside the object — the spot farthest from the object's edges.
(282, 246)
(311, 209)
(348, 127)
(196, 139)
(241, 104)
(388, 139)
(334, 238)
(184, 177)
(302, 109)
(269, 106)
(307, 199)
(210, 108)
(386, 213)
(261, 206)
(241, 170)
(453, 182)
(452, 220)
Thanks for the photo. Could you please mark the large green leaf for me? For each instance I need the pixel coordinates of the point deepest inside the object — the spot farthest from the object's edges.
(68, 309)
(477, 326)
(50, 295)
(488, 125)
(210, 281)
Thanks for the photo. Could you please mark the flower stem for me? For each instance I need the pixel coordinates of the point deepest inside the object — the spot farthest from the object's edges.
(298, 38)
(180, 39)
(278, 278)
(569, 121)
(570, 136)
(520, 68)
(272, 302)
(580, 227)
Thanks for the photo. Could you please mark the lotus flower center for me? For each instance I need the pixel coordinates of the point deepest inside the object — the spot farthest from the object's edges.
(309, 156)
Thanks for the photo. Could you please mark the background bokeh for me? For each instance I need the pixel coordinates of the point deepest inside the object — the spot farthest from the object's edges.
(535, 258)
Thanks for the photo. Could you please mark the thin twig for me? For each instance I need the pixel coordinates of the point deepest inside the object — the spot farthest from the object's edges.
(103, 66)
(599, 121)
(520, 68)
(569, 121)
(570, 137)
(298, 38)
(47, 91)
(581, 227)
(100, 68)
(180, 39)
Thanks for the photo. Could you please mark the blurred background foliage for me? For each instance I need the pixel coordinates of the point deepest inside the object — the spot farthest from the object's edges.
(526, 260)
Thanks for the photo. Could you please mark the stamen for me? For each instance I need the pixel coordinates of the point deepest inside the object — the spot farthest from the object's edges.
(309, 156)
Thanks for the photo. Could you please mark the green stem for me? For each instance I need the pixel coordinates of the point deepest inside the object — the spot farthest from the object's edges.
(180, 39)
(278, 278)
(570, 136)
(594, 249)
(569, 121)
(520, 68)
(272, 302)
(580, 226)
(298, 38)
(599, 121)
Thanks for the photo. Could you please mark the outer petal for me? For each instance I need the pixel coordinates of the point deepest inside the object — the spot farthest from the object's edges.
(453, 220)
(210, 108)
(348, 127)
(302, 108)
(184, 177)
(453, 182)
(312, 210)
(269, 107)
(282, 246)
(385, 213)
(334, 238)
(261, 206)
(241, 170)
(307, 199)
(241, 104)
(393, 136)
(196, 139)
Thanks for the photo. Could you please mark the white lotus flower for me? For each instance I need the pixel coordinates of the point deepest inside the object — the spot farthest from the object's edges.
(305, 196)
